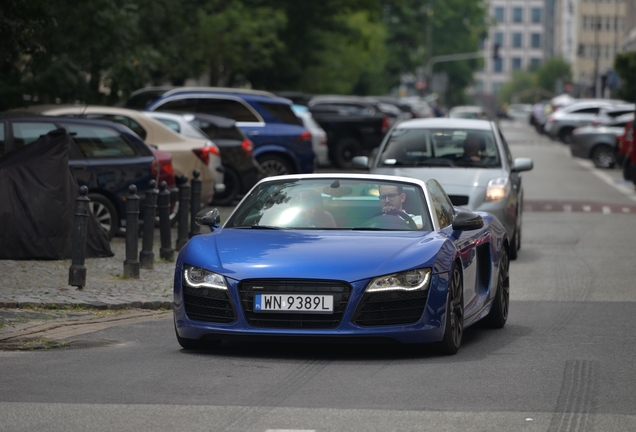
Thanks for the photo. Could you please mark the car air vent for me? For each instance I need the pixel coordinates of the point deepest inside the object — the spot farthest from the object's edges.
(208, 305)
(340, 291)
(390, 308)
(484, 264)
(459, 200)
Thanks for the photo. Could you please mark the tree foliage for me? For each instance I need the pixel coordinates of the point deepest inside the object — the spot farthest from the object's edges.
(625, 66)
(98, 51)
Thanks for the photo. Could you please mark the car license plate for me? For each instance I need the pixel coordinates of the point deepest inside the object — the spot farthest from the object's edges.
(307, 303)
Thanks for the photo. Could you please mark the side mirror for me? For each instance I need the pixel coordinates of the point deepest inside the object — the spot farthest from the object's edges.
(522, 164)
(209, 218)
(360, 162)
(466, 221)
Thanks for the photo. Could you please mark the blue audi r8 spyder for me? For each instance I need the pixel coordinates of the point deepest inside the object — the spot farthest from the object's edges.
(339, 256)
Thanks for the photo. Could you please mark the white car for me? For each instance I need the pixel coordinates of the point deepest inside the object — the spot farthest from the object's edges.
(180, 123)
(318, 135)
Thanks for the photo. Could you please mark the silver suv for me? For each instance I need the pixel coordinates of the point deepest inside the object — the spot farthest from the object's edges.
(561, 123)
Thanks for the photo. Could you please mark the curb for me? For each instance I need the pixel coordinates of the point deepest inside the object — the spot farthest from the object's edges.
(139, 304)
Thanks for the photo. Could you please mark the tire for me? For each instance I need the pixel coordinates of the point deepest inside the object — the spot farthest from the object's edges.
(196, 344)
(498, 314)
(105, 212)
(344, 151)
(515, 245)
(627, 168)
(454, 327)
(565, 135)
(603, 156)
(232, 188)
(273, 165)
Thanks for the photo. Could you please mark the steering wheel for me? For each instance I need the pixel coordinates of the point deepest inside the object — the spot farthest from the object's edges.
(405, 218)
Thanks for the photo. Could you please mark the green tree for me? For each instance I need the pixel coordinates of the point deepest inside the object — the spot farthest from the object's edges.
(625, 67)
(551, 71)
(520, 89)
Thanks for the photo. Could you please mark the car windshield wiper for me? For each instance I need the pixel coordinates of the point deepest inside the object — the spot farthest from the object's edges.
(264, 227)
(370, 229)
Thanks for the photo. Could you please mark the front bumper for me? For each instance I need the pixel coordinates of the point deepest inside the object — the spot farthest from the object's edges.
(429, 327)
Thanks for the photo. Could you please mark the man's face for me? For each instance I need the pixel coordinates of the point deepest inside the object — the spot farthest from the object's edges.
(389, 196)
(471, 147)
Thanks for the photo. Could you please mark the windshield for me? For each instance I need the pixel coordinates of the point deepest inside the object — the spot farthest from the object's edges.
(333, 204)
(440, 148)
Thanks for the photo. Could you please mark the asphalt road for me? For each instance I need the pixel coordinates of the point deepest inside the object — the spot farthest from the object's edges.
(564, 362)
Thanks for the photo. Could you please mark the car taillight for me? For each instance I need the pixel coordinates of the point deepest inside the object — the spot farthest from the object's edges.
(155, 168)
(203, 154)
(594, 123)
(247, 146)
(167, 174)
(386, 124)
(305, 136)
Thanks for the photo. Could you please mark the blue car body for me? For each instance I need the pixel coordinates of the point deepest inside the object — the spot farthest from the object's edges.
(275, 131)
(343, 261)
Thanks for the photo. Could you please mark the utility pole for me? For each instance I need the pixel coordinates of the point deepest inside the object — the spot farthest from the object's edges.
(597, 77)
(429, 42)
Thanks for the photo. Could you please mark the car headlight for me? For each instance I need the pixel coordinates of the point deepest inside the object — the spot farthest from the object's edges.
(410, 280)
(497, 189)
(196, 277)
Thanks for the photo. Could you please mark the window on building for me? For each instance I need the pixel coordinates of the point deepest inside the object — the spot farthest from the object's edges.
(516, 64)
(608, 23)
(581, 51)
(517, 14)
(499, 14)
(497, 65)
(499, 38)
(584, 23)
(479, 86)
(537, 15)
(496, 87)
(535, 39)
(535, 64)
(517, 40)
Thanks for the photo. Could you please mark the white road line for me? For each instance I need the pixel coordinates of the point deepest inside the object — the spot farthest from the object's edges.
(547, 207)
(622, 188)
(625, 209)
(567, 208)
(607, 210)
(587, 208)
(290, 430)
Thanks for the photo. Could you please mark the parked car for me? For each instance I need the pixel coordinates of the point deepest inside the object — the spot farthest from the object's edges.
(106, 157)
(624, 148)
(188, 154)
(242, 170)
(599, 143)
(520, 112)
(438, 148)
(468, 112)
(318, 134)
(608, 115)
(354, 126)
(313, 257)
(560, 124)
(282, 145)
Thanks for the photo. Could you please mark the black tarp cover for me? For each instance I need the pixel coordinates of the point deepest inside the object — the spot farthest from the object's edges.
(37, 203)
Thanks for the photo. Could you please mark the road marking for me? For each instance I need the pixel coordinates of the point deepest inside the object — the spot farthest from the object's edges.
(567, 208)
(625, 209)
(587, 208)
(607, 210)
(625, 189)
(290, 430)
(546, 207)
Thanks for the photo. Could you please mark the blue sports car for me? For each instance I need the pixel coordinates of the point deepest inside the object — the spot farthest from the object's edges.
(342, 257)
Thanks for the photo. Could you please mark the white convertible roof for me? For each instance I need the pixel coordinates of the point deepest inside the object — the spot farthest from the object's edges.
(443, 122)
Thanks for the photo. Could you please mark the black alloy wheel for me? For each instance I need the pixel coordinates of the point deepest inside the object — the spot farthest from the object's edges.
(603, 156)
(344, 151)
(515, 244)
(232, 188)
(105, 213)
(627, 167)
(498, 314)
(565, 135)
(454, 328)
(273, 165)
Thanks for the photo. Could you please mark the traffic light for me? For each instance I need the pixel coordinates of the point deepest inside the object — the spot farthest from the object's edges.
(495, 51)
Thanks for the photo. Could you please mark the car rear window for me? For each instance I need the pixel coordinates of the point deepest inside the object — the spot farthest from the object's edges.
(282, 112)
(215, 132)
(126, 121)
(96, 142)
(26, 132)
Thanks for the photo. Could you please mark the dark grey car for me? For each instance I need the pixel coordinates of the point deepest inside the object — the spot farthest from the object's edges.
(434, 148)
(598, 143)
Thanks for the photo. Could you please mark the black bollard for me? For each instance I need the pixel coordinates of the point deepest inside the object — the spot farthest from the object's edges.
(77, 270)
(184, 210)
(195, 203)
(147, 256)
(131, 263)
(163, 205)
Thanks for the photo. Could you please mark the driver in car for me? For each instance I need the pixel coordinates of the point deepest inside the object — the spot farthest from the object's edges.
(391, 200)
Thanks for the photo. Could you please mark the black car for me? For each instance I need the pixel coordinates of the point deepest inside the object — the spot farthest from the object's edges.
(242, 171)
(104, 156)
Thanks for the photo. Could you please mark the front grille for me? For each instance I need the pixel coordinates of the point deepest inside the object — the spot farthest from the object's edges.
(207, 304)
(484, 262)
(459, 200)
(390, 308)
(341, 292)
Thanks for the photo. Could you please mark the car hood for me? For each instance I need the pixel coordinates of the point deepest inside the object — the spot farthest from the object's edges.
(340, 255)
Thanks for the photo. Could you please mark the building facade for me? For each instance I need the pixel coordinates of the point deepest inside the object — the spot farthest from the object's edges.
(519, 32)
